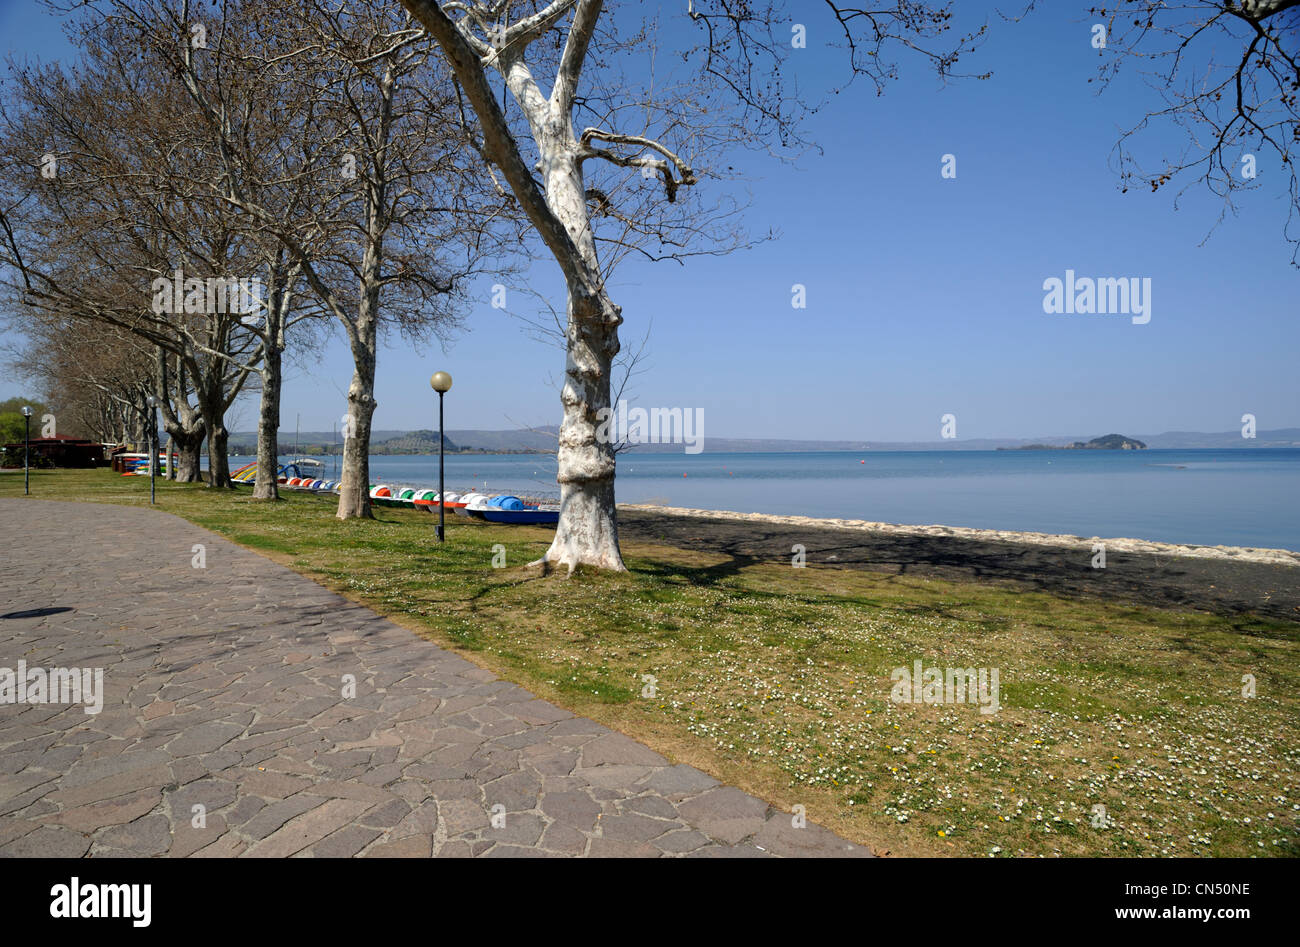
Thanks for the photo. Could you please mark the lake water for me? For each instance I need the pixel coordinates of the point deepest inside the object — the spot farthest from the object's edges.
(1241, 497)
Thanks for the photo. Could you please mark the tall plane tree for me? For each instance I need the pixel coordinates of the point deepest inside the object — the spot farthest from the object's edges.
(735, 95)
(249, 134)
(99, 161)
(366, 185)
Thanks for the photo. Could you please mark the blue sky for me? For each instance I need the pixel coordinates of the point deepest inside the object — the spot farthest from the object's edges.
(924, 294)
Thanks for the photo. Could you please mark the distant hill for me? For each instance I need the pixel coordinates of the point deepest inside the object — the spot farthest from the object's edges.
(414, 442)
(484, 442)
(543, 440)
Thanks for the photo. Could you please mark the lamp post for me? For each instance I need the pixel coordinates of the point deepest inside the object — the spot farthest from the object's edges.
(441, 383)
(27, 436)
(152, 401)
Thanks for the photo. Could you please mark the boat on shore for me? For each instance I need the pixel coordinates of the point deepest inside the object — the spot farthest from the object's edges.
(302, 473)
(471, 500)
(502, 508)
(137, 465)
(429, 501)
(511, 509)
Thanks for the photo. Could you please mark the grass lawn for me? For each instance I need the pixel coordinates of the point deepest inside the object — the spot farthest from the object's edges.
(777, 679)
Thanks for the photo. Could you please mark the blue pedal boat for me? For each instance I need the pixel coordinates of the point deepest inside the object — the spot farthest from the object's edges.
(511, 509)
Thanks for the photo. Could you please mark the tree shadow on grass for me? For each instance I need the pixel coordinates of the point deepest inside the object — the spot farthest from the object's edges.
(1222, 587)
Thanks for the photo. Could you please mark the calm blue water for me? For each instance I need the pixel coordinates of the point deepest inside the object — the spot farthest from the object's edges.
(1242, 497)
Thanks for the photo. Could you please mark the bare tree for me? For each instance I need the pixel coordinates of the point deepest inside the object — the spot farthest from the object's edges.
(248, 123)
(1228, 76)
(663, 129)
(360, 184)
(98, 162)
(96, 378)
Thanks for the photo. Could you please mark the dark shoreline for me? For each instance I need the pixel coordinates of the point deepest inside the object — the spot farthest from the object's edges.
(1218, 585)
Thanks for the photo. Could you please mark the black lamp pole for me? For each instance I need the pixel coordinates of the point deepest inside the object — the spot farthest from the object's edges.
(153, 439)
(442, 502)
(27, 437)
(441, 383)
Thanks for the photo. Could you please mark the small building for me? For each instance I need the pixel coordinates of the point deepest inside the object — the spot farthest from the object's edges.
(61, 451)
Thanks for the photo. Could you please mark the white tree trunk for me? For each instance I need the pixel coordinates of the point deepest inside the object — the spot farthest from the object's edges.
(354, 494)
(587, 533)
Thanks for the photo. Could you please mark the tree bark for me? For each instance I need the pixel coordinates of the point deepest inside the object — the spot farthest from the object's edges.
(354, 494)
(218, 461)
(268, 426)
(212, 406)
(188, 445)
(587, 532)
(184, 426)
(363, 336)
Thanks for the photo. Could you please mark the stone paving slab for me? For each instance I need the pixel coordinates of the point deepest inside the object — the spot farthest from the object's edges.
(225, 730)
